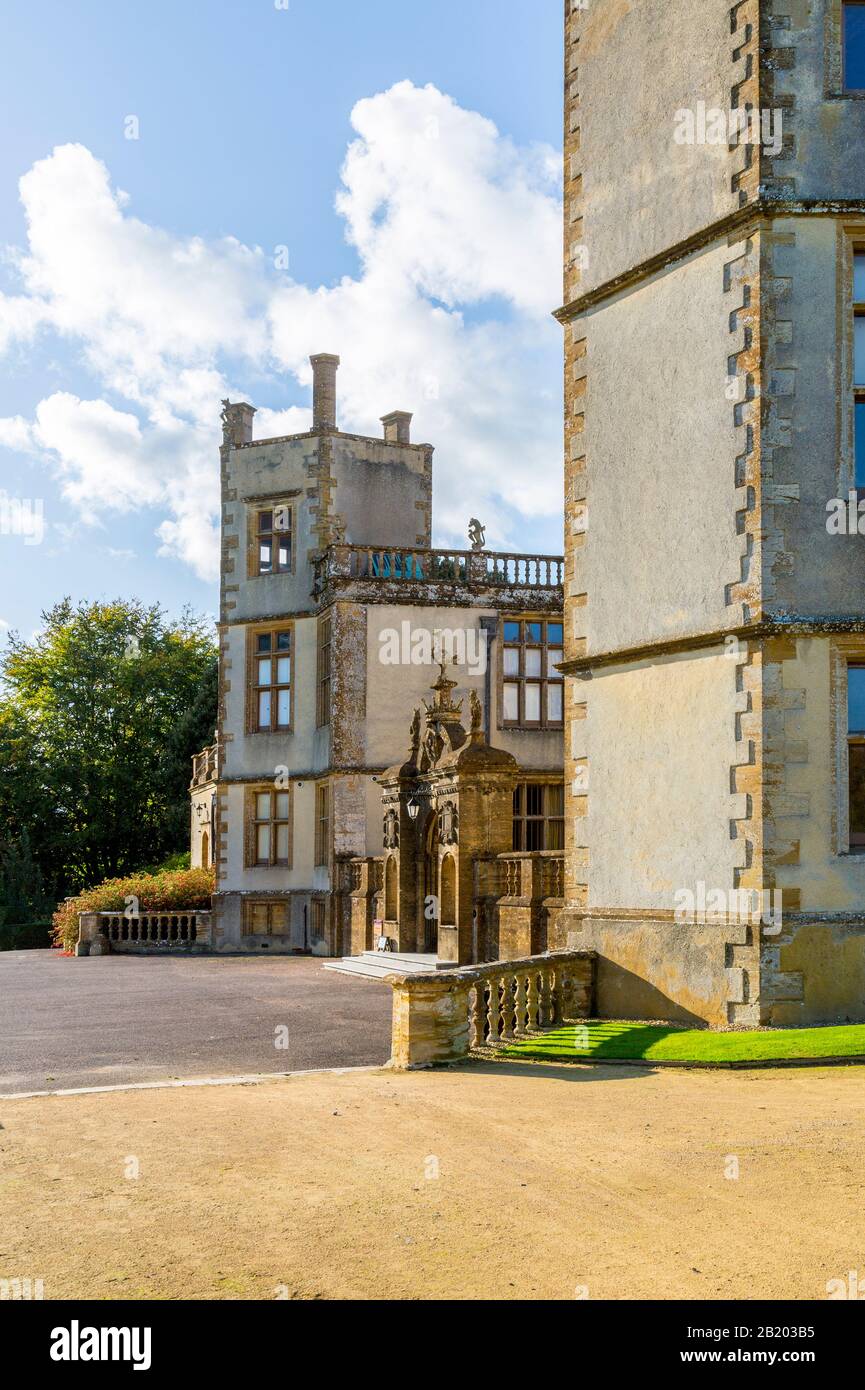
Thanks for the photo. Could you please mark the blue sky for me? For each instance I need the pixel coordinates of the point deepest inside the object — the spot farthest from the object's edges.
(145, 276)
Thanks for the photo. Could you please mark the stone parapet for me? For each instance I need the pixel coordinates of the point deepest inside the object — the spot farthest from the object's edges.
(440, 1016)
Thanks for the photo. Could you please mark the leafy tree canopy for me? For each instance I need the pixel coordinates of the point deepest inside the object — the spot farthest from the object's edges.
(100, 714)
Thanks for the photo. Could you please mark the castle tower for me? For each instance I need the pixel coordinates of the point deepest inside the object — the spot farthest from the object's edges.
(714, 323)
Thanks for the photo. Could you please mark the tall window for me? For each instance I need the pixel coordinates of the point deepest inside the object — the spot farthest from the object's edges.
(854, 46)
(271, 681)
(322, 693)
(273, 534)
(270, 829)
(265, 919)
(532, 688)
(539, 816)
(856, 753)
(859, 360)
(322, 824)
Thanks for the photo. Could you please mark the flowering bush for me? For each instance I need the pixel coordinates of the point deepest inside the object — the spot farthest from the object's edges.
(161, 892)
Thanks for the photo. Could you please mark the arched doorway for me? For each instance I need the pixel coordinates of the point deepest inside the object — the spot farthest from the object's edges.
(448, 891)
(429, 878)
(390, 890)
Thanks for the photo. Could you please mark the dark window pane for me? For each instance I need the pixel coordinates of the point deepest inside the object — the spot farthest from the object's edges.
(555, 834)
(859, 277)
(854, 48)
(856, 699)
(857, 794)
(283, 641)
(556, 802)
(265, 521)
(555, 634)
(860, 443)
(512, 632)
(534, 799)
(264, 642)
(534, 835)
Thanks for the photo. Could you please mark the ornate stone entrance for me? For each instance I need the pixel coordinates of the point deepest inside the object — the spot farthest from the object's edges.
(450, 803)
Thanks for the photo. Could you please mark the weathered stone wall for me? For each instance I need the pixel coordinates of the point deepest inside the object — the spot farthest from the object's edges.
(660, 740)
(814, 972)
(661, 442)
(708, 421)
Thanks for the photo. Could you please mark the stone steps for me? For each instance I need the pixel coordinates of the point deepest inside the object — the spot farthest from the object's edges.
(378, 964)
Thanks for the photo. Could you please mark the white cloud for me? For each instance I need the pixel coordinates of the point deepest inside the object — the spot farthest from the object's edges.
(457, 230)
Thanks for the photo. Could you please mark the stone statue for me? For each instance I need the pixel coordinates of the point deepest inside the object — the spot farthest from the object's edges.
(477, 534)
(448, 824)
(229, 421)
(391, 830)
(477, 712)
(414, 735)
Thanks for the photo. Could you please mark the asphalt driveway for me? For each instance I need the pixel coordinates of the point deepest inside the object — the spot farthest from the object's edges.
(114, 1020)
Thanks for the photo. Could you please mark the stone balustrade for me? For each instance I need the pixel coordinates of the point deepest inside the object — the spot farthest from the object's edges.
(205, 766)
(101, 932)
(342, 565)
(440, 1016)
(518, 898)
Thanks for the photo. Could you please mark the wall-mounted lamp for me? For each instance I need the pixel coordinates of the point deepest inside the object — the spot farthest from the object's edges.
(413, 807)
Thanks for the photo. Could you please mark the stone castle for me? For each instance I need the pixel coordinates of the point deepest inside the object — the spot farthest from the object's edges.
(668, 733)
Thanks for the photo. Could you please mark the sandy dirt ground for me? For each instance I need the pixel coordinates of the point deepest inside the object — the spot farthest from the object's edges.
(513, 1181)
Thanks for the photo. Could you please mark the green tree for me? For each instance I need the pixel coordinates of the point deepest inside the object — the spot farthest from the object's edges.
(96, 734)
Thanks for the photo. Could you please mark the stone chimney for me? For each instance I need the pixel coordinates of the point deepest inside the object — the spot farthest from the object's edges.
(324, 366)
(397, 427)
(237, 423)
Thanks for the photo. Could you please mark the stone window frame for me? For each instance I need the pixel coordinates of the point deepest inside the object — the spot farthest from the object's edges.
(545, 781)
(855, 248)
(323, 819)
(250, 825)
(323, 669)
(850, 242)
(521, 725)
(833, 43)
(253, 632)
(268, 502)
(844, 651)
(268, 905)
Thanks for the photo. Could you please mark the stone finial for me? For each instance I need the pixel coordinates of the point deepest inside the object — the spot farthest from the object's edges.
(397, 427)
(324, 369)
(442, 707)
(237, 423)
(477, 534)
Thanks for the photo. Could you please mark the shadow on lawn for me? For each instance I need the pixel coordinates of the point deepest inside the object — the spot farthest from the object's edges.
(621, 1041)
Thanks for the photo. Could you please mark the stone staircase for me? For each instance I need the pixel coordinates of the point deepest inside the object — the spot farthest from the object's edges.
(376, 965)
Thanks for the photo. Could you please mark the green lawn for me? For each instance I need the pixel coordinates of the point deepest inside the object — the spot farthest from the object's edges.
(669, 1044)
